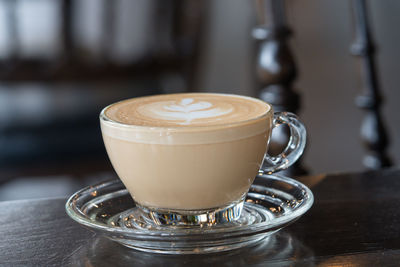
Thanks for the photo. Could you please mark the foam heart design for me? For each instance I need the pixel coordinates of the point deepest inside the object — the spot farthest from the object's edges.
(188, 110)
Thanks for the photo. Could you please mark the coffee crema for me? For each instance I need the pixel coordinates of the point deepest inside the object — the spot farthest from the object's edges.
(186, 110)
(182, 119)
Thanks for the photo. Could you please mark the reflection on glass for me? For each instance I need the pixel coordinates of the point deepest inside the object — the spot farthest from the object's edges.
(281, 249)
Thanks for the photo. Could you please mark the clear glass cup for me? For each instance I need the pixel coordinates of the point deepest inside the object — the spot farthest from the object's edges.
(201, 174)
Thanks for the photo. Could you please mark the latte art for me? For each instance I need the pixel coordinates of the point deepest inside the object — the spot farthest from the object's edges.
(191, 154)
(194, 151)
(185, 110)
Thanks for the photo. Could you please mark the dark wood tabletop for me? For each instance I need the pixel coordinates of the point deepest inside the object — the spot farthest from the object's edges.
(355, 221)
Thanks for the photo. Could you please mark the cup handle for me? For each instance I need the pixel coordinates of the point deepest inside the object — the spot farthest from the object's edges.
(294, 148)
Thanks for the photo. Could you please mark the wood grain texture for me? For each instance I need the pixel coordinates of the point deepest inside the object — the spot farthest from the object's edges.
(354, 222)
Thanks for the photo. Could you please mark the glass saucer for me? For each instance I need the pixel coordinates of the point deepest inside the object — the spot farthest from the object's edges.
(273, 202)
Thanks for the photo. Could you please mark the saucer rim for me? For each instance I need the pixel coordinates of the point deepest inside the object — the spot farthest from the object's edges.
(173, 232)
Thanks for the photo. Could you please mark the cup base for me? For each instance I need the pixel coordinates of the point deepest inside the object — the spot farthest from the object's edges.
(208, 217)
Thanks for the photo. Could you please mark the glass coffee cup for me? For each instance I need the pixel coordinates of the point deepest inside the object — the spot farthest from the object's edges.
(190, 159)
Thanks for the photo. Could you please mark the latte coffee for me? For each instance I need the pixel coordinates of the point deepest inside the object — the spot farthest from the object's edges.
(189, 151)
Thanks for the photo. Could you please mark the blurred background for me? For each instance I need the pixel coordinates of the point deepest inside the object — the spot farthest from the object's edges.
(62, 61)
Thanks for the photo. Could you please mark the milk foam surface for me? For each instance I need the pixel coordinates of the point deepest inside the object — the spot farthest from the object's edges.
(185, 110)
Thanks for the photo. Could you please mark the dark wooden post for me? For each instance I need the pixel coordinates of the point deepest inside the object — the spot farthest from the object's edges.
(373, 132)
(276, 68)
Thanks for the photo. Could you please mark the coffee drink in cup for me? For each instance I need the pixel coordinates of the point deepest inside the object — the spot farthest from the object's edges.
(190, 158)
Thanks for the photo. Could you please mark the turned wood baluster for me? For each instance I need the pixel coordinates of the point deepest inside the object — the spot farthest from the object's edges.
(373, 132)
(276, 69)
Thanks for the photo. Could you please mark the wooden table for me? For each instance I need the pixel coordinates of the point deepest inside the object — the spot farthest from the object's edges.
(355, 221)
